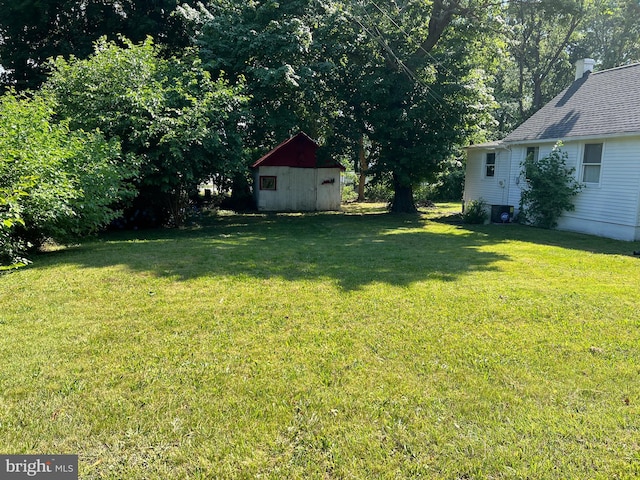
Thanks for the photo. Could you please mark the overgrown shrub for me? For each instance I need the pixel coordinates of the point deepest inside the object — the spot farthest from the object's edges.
(54, 183)
(170, 114)
(549, 189)
(349, 194)
(424, 194)
(450, 182)
(475, 212)
(378, 192)
(349, 191)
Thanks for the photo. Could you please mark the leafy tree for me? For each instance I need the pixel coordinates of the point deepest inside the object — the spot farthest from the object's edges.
(341, 77)
(449, 185)
(424, 91)
(390, 82)
(540, 34)
(270, 46)
(611, 34)
(179, 123)
(55, 183)
(549, 189)
(31, 31)
(546, 37)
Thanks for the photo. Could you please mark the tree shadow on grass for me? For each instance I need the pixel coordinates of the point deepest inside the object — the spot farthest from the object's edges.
(581, 242)
(353, 250)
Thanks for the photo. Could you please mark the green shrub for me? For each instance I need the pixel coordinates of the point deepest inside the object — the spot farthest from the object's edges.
(349, 193)
(378, 192)
(475, 212)
(54, 183)
(349, 187)
(450, 183)
(171, 115)
(424, 194)
(549, 189)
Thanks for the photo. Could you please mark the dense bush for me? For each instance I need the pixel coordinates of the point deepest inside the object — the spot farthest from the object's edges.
(54, 183)
(549, 189)
(181, 124)
(450, 183)
(475, 212)
(349, 191)
(424, 194)
(378, 192)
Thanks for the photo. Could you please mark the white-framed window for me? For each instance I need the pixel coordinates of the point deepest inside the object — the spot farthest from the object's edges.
(591, 163)
(268, 182)
(490, 164)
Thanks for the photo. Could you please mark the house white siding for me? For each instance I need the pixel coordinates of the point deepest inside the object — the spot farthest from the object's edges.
(601, 107)
(299, 189)
(493, 190)
(610, 208)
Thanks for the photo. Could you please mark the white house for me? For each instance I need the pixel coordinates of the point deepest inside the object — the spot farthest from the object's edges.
(291, 178)
(597, 119)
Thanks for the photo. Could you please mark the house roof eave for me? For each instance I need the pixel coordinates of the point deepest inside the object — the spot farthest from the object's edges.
(578, 138)
(497, 145)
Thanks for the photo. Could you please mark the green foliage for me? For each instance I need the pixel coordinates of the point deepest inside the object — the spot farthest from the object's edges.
(613, 36)
(181, 125)
(269, 45)
(34, 30)
(12, 247)
(549, 189)
(55, 183)
(420, 95)
(475, 212)
(349, 187)
(377, 191)
(539, 36)
(349, 194)
(348, 75)
(424, 194)
(449, 183)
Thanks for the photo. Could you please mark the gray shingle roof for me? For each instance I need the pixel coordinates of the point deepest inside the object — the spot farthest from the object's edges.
(598, 104)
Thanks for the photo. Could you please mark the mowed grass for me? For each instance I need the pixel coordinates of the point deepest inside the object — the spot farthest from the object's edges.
(351, 345)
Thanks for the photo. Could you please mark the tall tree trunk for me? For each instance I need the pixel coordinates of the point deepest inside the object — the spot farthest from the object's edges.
(520, 91)
(364, 166)
(537, 102)
(241, 198)
(177, 203)
(402, 198)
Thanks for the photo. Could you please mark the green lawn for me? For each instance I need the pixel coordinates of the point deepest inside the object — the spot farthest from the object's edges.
(336, 345)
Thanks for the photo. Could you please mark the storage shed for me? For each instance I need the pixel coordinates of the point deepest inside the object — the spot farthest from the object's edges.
(291, 178)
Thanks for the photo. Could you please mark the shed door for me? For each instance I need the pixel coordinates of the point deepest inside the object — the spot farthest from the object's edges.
(302, 189)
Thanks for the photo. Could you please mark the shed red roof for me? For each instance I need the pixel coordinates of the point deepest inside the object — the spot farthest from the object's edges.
(298, 151)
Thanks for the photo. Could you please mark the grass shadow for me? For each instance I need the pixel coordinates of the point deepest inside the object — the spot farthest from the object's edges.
(351, 248)
(541, 236)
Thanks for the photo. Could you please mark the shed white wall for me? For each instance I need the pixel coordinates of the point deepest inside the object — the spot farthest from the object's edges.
(329, 189)
(299, 189)
(609, 209)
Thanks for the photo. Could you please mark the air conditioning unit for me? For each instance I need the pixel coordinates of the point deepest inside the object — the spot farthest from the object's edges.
(501, 213)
